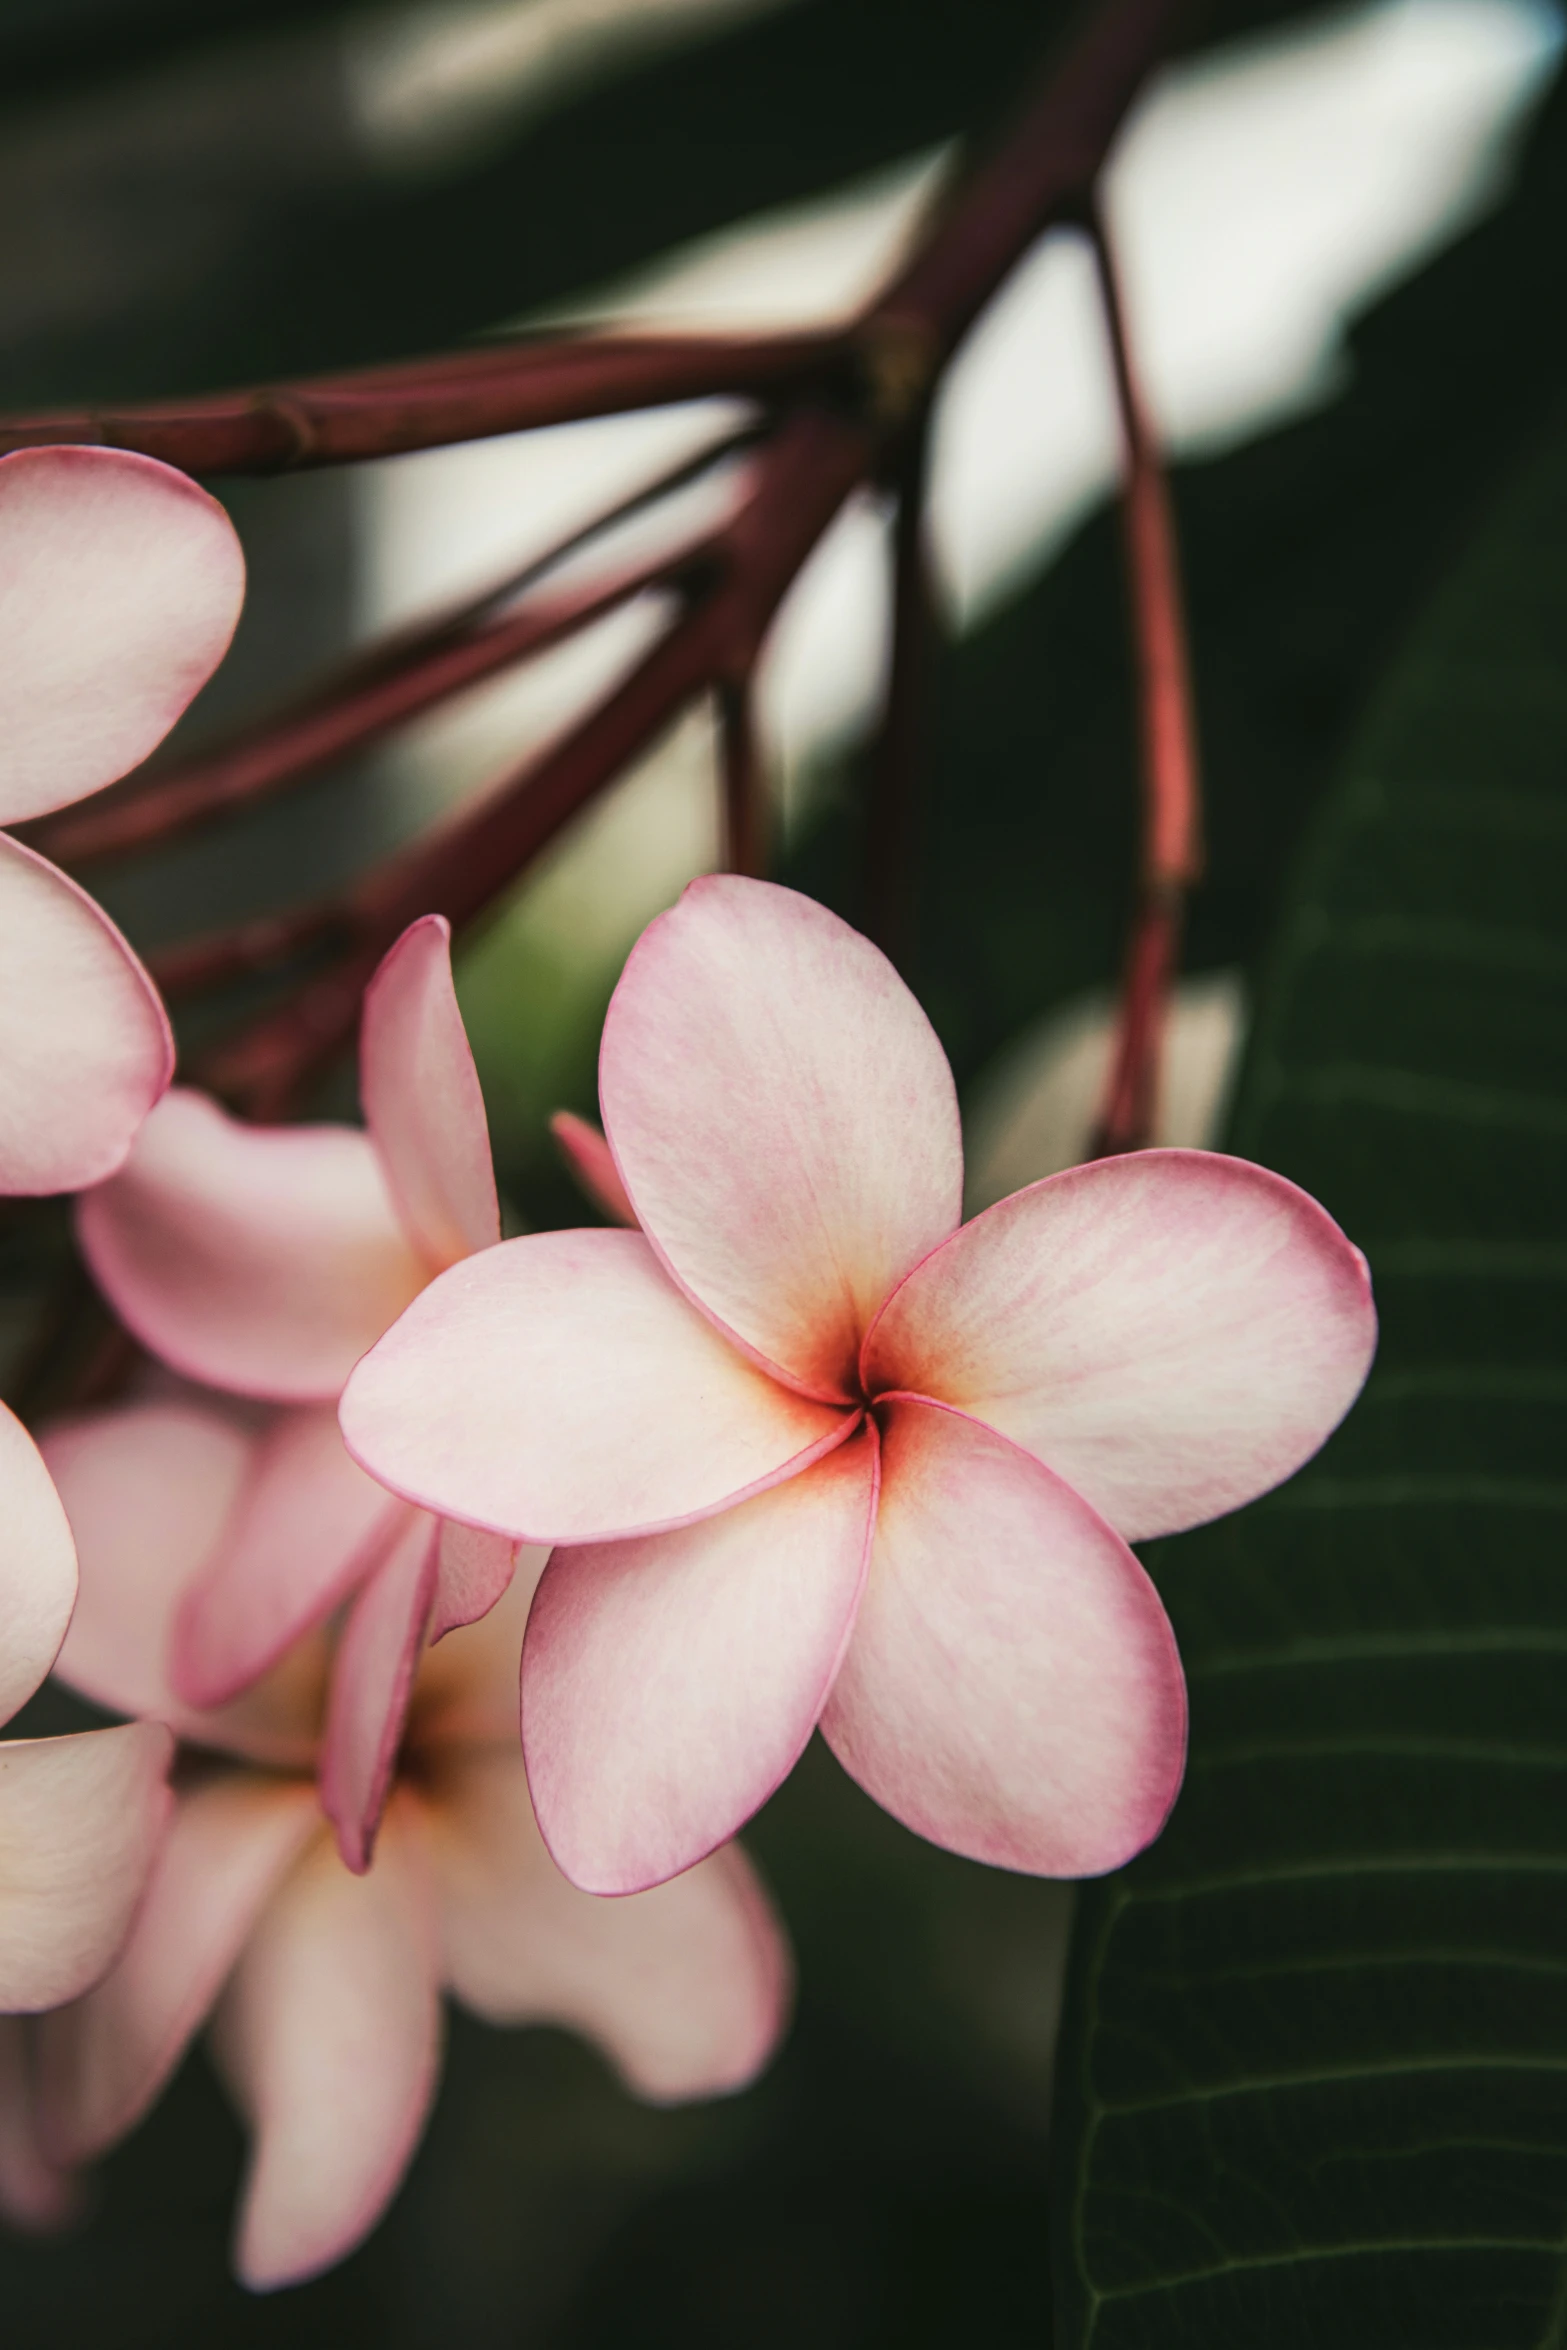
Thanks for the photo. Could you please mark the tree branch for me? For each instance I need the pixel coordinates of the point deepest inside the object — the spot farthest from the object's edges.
(1171, 858)
(434, 402)
(812, 465)
(842, 424)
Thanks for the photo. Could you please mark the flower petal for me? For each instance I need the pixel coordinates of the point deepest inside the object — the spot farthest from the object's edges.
(560, 1389)
(120, 584)
(783, 1119)
(148, 1489)
(261, 1259)
(372, 1681)
(85, 1048)
(422, 1100)
(306, 1529)
(329, 2034)
(34, 2192)
(1173, 1332)
(105, 2057)
(475, 1572)
(592, 1162)
(1012, 1689)
(37, 1567)
(685, 1988)
(80, 1820)
(670, 1683)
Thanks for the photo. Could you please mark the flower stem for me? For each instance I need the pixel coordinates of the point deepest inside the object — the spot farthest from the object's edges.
(435, 402)
(1171, 857)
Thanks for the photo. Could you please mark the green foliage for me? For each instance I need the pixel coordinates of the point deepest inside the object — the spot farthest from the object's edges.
(1314, 2067)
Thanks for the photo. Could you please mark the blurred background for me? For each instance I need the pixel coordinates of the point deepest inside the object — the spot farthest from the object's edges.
(1338, 232)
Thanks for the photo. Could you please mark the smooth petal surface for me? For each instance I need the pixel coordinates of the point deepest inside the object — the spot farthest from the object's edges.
(85, 1048)
(104, 2058)
(685, 1988)
(34, 2192)
(329, 2034)
(560, 1389)
(261, 1259)
(1012, 1689)
(475, 1569)
(422, 1100)
(783, 1119)
(120, 584)
(592, 1162)
(306, 1528)
(372, 1681)
(80, 1820)
(1173, 1332)
(37, 1566)
(669, 1684)
(149, 1490)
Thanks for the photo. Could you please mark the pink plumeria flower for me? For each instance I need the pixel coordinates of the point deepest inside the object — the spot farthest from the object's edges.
(324, 1987)
(810, 1452)
(80, 1817)
(120, 583)
(265, 1260)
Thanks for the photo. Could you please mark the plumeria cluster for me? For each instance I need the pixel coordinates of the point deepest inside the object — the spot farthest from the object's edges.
(786, 1447)
(120, 584)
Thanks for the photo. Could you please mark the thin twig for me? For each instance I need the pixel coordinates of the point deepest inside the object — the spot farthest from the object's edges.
(462, 866)
(435, 402)
(352, 712)
(1171, 859)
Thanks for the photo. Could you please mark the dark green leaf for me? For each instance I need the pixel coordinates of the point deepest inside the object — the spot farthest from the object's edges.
(1314, 2071)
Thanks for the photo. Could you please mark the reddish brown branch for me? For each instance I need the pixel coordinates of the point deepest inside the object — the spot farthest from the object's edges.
(351, 711)
(1046, 165)
(811, 467)
(819, 455)
(828, 444)
(431, 403)
(1171, 858)
(498, 387)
